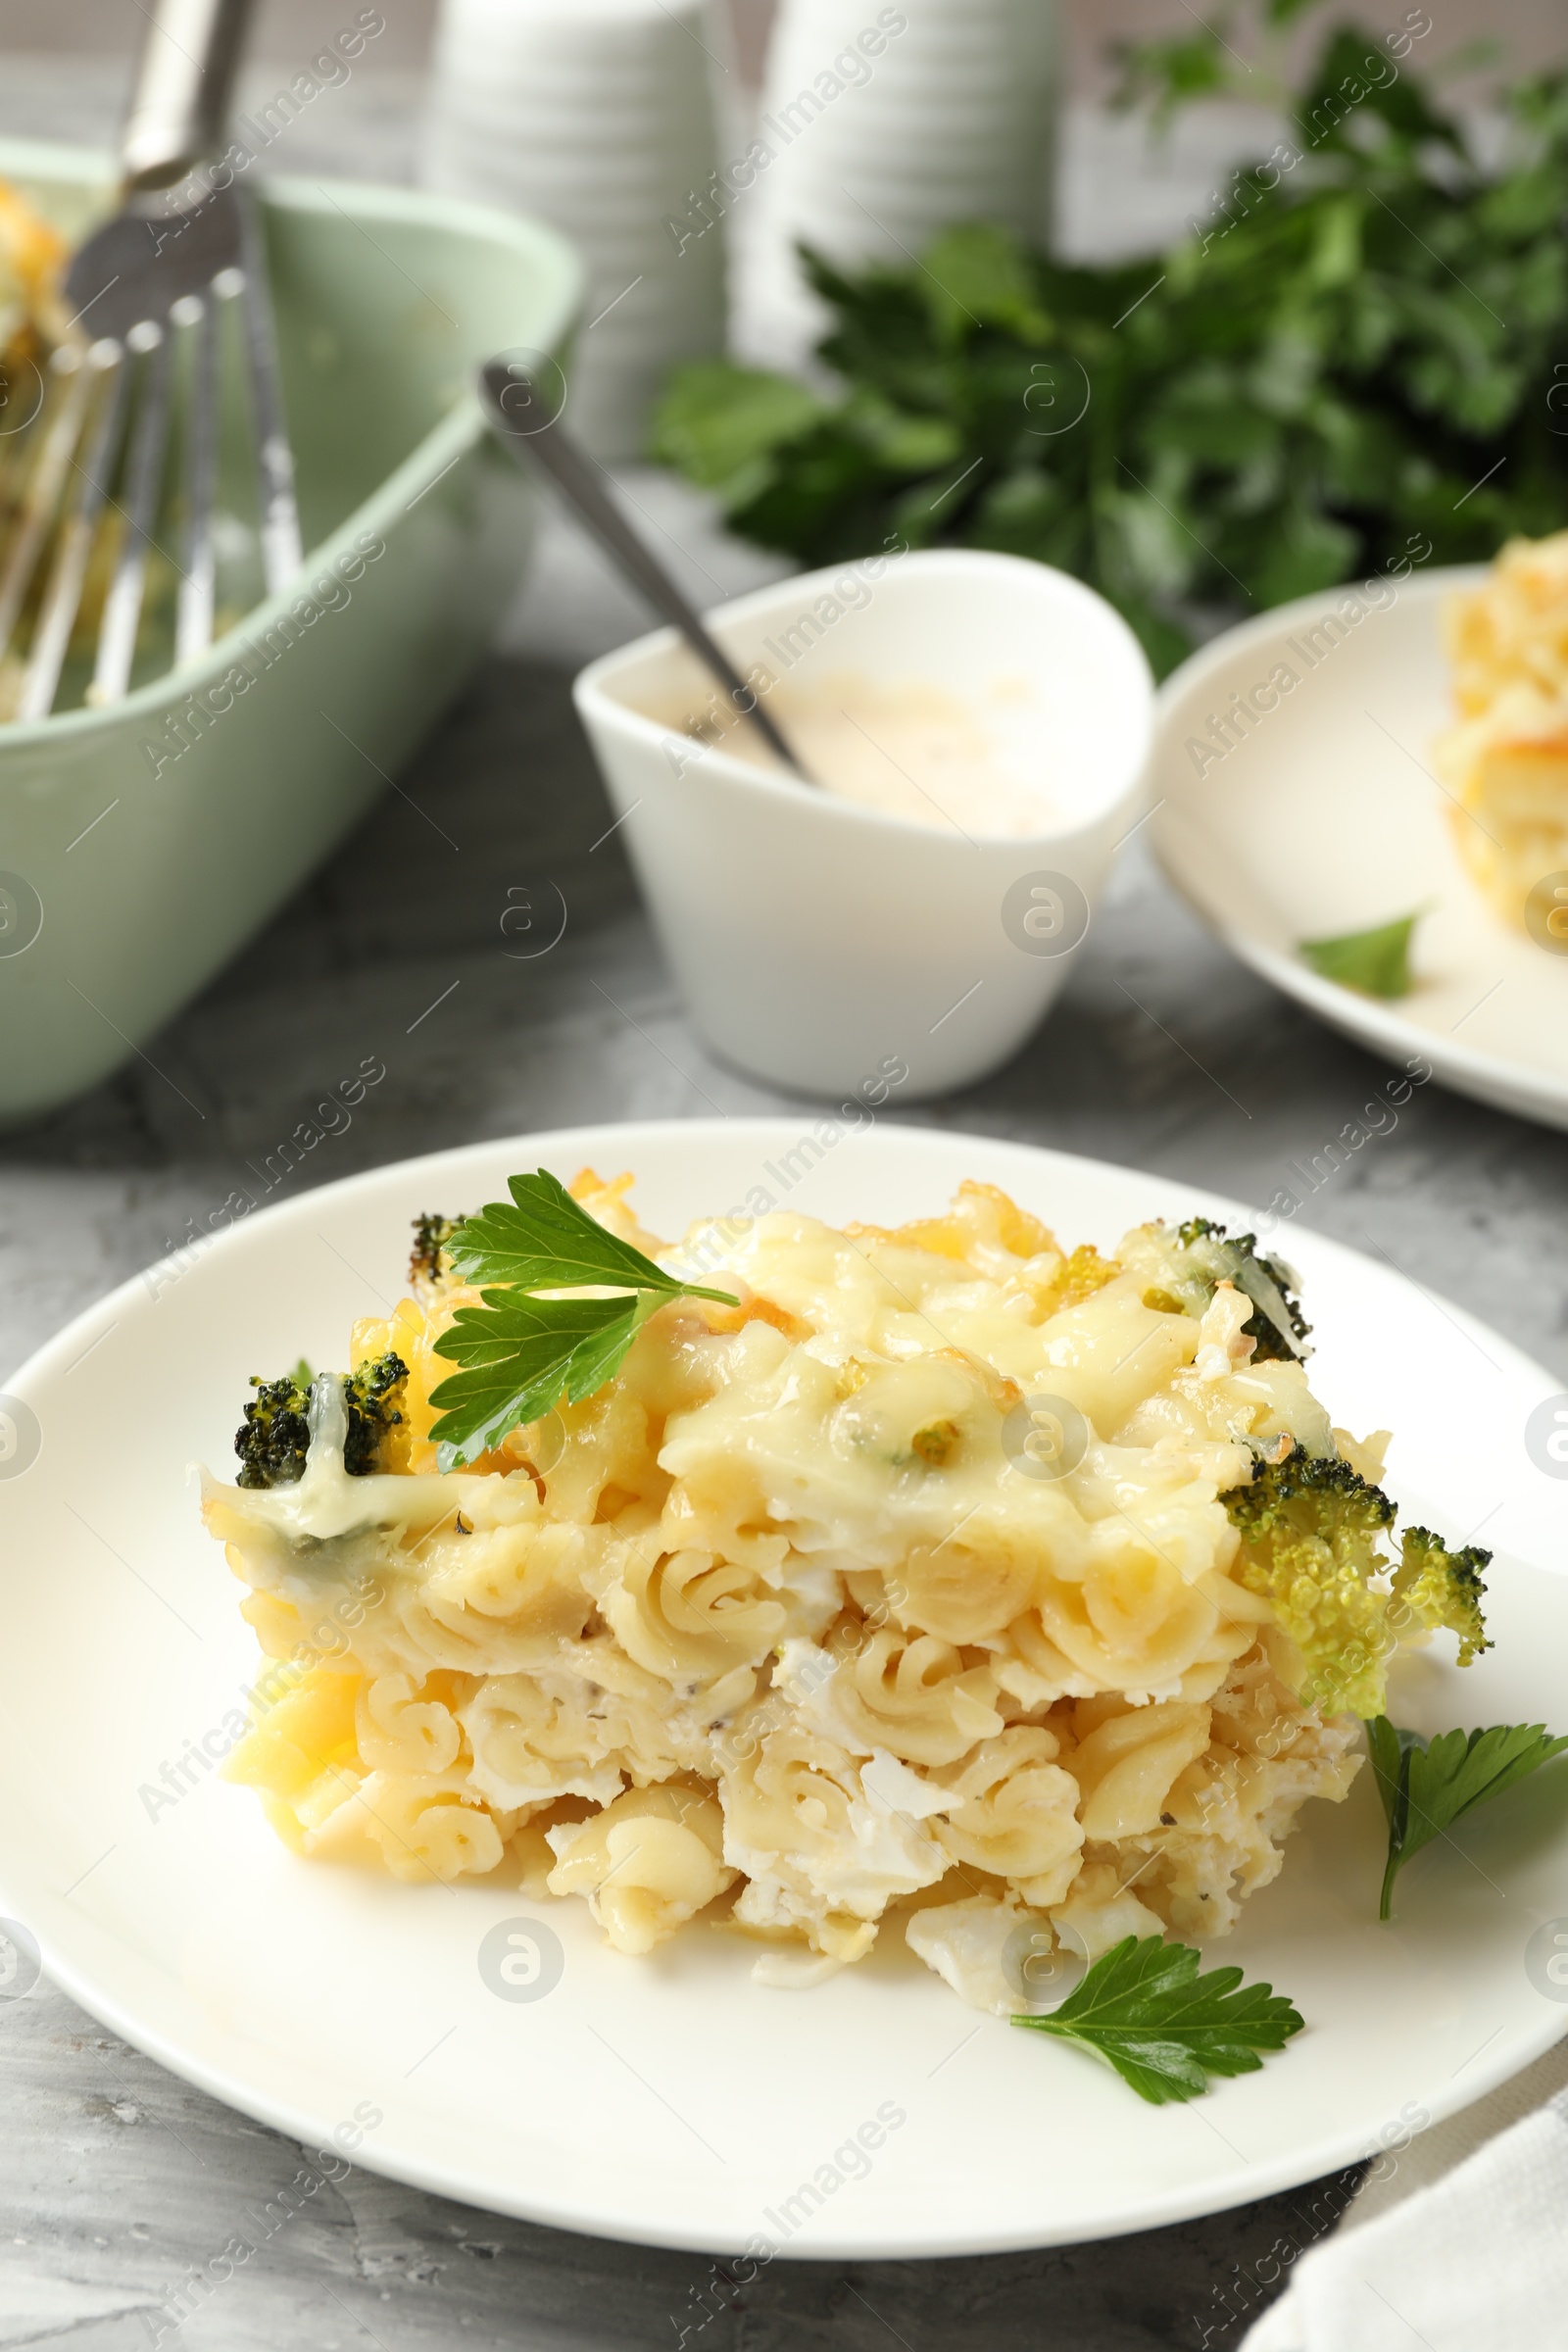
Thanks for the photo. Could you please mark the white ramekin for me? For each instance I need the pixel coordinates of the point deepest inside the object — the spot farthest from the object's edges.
(819, 942)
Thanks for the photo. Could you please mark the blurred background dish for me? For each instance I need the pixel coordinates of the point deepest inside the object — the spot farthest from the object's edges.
(1302, 383)
(417, 528)
(818, 941)
(1504, 763)
(1323, 817)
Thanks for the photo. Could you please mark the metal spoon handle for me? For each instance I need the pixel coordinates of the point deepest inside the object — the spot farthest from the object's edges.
(523, 417)
(189, 62)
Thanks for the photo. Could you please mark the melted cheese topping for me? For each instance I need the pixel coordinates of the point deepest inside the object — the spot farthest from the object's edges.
(910, 1571)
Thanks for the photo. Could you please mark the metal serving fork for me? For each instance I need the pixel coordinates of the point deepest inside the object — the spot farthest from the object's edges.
(100, 436)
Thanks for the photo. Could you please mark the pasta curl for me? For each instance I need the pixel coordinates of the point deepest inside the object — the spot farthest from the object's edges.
(648, 1863)
(691, 1616)
(1014, 1813)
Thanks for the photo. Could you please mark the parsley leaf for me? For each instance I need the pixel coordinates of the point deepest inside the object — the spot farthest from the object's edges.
(1146, 2010)
(1376, 961)
(1427, 1785)
(521, 1353)
(545, 1241)
(522, 1356)
(724, 419)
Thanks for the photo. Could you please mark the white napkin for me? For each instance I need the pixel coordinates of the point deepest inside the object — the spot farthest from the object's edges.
(1469, 2259)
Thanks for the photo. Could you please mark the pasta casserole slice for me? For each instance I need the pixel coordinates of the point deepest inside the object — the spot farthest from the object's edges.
(1503, 760)
(935, 1574)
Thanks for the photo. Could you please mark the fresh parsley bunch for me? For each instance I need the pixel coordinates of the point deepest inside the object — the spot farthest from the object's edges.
(525, 1347)
(1361, 360)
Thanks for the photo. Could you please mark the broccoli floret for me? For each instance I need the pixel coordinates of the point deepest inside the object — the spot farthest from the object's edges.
(1314, 1495)
(1312, 1530)
(1309, 1527)
(1443, 1588)
(1183, 1266)
(275, 1438)
(428, 1263)
(373, 1396)
(1278, 1326)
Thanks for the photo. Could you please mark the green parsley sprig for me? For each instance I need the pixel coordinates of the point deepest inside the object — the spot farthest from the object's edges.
(1427, 1785)
(522, 1352)
(1144, 2009)
(1375, 961)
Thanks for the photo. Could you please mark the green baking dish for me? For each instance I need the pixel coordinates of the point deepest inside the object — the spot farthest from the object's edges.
(141, 845)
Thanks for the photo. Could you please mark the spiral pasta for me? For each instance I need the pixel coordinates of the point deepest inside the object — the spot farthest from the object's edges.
(794, 1624)
(1126, 1766)
(824, 1849)
(1013, 1812)
(911, 1693)
(648, 1863)
(690, 1615)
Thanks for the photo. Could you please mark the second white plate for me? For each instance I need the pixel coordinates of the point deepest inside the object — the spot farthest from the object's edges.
(674, 2101)
(1326, 818)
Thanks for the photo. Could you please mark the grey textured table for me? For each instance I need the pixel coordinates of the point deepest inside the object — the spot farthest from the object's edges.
(1163, 1053)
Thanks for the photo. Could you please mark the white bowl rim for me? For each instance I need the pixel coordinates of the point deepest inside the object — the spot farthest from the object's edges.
(1258, 626)
(598, 706)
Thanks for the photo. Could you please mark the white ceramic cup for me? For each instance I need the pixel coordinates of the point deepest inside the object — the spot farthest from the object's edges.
(818, 941)
(879, 126)
(598, 117)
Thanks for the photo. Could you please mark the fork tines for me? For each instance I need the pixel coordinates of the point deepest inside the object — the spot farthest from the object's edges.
(84, 485)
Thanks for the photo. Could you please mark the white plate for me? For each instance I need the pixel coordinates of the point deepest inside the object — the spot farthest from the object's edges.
(673, 2101)
(1327, 818)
